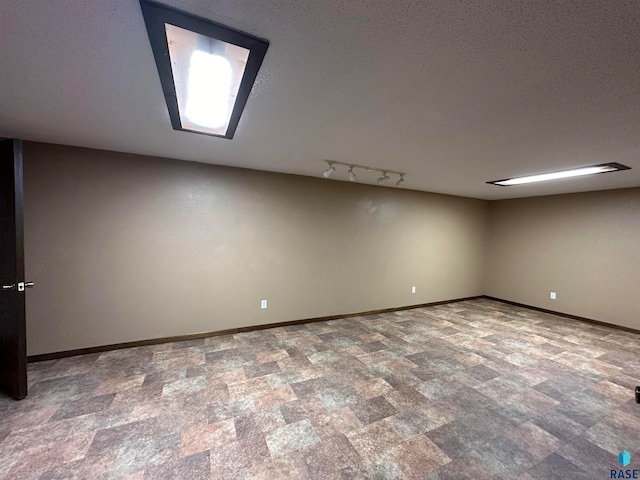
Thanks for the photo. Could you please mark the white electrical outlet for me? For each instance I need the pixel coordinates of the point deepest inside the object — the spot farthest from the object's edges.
(263, 304)
(413, 289)
(552, 295)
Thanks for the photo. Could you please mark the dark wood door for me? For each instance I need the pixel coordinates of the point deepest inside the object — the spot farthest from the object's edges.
(13, 334)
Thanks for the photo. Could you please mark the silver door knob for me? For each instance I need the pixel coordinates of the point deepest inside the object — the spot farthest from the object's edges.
(29, 284)
(9, 287)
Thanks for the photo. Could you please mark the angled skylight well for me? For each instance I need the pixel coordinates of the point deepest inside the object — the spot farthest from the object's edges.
(560, 174)
(206, 70)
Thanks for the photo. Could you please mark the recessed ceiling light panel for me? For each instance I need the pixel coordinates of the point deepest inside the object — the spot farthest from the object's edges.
(576, 172)
(206, 70)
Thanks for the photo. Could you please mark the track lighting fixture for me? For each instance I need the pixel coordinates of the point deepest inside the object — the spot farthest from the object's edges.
(383, 178)
(327, 173)
(351, 175)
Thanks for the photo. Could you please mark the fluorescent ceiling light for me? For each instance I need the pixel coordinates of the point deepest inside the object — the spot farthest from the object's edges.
(206, 70)
(576, 172)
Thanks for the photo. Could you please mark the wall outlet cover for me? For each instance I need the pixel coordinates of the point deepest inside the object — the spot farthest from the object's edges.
(552, 295)
(263, 304)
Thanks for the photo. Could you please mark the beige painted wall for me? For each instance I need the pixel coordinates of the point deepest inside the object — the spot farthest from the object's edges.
(125, 247)
(584, 246)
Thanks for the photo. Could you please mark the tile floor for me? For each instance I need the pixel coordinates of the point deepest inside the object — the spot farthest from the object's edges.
(469, 390)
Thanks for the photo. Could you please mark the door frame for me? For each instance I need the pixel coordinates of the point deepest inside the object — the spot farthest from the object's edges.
(13, 331)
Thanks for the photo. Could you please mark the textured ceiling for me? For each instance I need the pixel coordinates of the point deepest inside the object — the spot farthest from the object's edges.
(455, 93)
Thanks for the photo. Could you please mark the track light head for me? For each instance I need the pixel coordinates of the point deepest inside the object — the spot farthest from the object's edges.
(351, 174)
(327, 173)
(383, 178)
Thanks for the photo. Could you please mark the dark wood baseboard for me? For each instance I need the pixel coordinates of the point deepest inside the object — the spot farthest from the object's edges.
(230, 331)
(565, 315)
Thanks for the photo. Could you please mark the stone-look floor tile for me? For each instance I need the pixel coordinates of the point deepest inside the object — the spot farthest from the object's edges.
(222, 411)
(609, 435)
(204, 437)
(374, 440)
(554, 467)
(478, 380)
(274, 397)
(44, 456)
(138, 395)
(88, 467)
(84, 406)
(294, 363)
(504, 457)
(55, 390)
(437, 388)
(235, 375)
(625, 420)
(617, 393)
(526, 476)
(470, 400)
(399, 381)
(29, 418)
(372, 410)
(309, 407)
(373, 388)
(123, 435)
(290, 466)
(564, 386)
(335, 398)
(560, 426)
(500, 388)
(589, 457)
(520, 359)
(329, 456)
(383, 469)
(192, 467)
(231, 459)
(535, 401)
(406, 398)
(256, 424)
(418, 457)
(441, 413)
(139, 475)
(5, 465)
(411, 423)
(214, 393)
(261, 369)
(339, 421)
(272, 356)
(170, 409)
(464, 434)
(114, 385)
(291, 437)
(310, 387)
(535, 374)
(146, 452)
(470, 359)
(482, 372)
(501, 366)
(185, 386)
(587, 408)
(371, 337)
(533, 439)
(466, 467)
